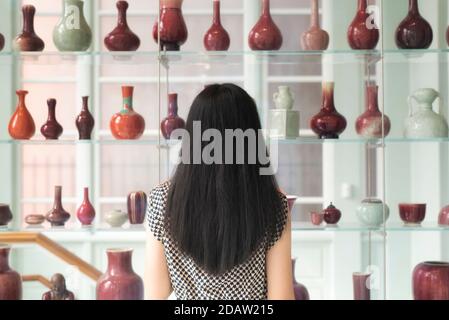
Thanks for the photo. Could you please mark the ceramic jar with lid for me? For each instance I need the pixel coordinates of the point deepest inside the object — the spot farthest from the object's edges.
(371, 212)
(331, 214)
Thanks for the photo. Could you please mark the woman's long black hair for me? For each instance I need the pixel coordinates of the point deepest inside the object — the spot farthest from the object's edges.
(219, 214)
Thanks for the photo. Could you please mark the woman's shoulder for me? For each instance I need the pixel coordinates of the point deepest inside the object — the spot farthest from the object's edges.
(156, 209)
(160, 192)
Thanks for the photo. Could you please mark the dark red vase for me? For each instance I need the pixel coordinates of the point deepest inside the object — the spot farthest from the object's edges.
(85, 122)
(414, 32)
(86, 211)
(2, 42)
(363, 34)
(301, 292)
(431, 281)
(172, 27)
(28, 40)
(443, 217)
(331, 214)
(10, 281)
(265, 35)
(5, 214)
(57, 216)
(328, 123)
(51, 129)
(122, 38)
(412, 214)
(120, 282)
(216, 38)
(173, 121)
(361, 287)
(137, 206)
(370, 124)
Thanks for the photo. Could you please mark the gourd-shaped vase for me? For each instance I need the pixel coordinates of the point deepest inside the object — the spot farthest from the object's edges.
(21, 126)
(424, 122)
(10, 280)
(363, 33)
(2, 42)
(216, 38)
(57, 216)
(122, 38)
(127, 124)
(172, 121)
(172, 27)
(86, 211)
(28, 40)
(328, 123)
(72, 33)
(51, 129)
(85, 122)
(301, 292)
(414, 32)
(315, 38)
(265, 35)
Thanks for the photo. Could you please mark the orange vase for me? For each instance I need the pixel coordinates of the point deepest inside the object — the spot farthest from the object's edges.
(21, 126)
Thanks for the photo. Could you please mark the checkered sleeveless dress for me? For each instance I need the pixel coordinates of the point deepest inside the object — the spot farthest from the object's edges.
(246, 281)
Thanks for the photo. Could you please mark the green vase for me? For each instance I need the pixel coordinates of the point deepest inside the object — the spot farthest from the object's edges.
(72, 33)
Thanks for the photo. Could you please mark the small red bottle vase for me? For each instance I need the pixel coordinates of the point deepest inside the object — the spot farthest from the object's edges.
(328, 123)
(431, 281)
(28, 40)
(301, 292)
(127, 124)
(315, 38)
(21, 126)
(57, 216)
(172, 27)
(414, 32)
(122, 38)
(120, 282)
(137, 206)
(331, 214)
(265, 35)
(10, 281)
(216, 38)
(173, 121)
(369, 124)
(51, 129)
(86, 211)
(363, 34)
(85, 122)
(2, 42)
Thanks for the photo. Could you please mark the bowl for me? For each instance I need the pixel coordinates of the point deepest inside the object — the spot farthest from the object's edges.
(412, 213)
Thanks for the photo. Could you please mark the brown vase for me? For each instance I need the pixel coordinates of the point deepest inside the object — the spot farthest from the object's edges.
(10, 281)
(360, 282)
(57, 216)
(172, 121)
(216, 38)
(85, 122)
(122, 38)
(51, 129)
(431, 281)
(5, 214)
(265, 35)
(301, 292)
(28, 40)
(2, 42)
(137, 206)
(172, 27)
(331, 214)
(120, 282)
(315, 38)
(360, 35)
(328, 123)
(21, 126)
(86, 211)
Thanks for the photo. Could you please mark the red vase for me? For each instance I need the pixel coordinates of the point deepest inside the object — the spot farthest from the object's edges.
(51, 129)
(328, 123)
(85, 122)
(431, 281)
(265, 35)
(57, 216)
(120, 282)
(360, 35)
(21, 126)
(5, 215)
(443, 217)
(2, 42)
(86, 211)
(331, 214)
(216, 38)
(360, 282)
(28, 40)
(412, 214)
(172, 121)
(414, 32)
(127, 124)
(172, 27)
(315, 38)
(122, 38)
(137, 206)
(301, 292)
(10, 281)
(369, 124)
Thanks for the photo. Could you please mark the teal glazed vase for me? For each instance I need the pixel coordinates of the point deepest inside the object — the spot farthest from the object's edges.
(72, 33)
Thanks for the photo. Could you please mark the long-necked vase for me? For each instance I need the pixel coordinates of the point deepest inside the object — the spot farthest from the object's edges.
(51, 129)
(363, 33)
(85, 122)
(172, 121)
(122, 38)
(57, 216)
(216, 38)
(21, 126)
(28, 40)
(414, 32)
(315, 38)
(265, 35)
(371, 124)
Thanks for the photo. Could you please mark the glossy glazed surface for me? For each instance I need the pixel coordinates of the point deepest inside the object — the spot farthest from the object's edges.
(363, 33)
(137, 205)
(301, 292)
(28, 40)
(216, 38)
(172, 27)
(5, 214)
(172, 121)
(57, 216)
(331, 214)
(371, 212)
(315, 38)
(443, 217)
(316, 218)
(10, 281)
(116, 218)
(86, 211)
(431, 281)
(51, 129)
(361, 284)
(412, 213)
(122, 38)
(265, 35)
(21, 126)
(85, 122)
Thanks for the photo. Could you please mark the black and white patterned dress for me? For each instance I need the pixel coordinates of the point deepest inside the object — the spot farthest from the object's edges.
(246, 281)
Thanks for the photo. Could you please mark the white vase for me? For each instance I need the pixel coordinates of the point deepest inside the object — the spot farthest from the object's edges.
(284, 99)
(284, 122)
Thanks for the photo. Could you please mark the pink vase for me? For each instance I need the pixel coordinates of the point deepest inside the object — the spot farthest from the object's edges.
(172, 121)
(431, 281)
(172, 27)
(216, 38)
(265, 35)
(443, 217)
(137, 205)
(10, 281)
(360, 35)
(315, 38)
(301, 292)
(361, 286)
(86, 211)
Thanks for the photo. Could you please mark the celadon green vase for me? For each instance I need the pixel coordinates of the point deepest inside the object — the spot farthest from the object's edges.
(72, 33)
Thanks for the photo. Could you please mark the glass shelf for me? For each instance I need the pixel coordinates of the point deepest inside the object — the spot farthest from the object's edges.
(356, 227)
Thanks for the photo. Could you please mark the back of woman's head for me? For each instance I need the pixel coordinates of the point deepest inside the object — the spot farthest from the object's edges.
(219, 213)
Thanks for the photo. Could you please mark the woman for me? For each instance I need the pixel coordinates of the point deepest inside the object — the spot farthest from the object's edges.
(219, 231)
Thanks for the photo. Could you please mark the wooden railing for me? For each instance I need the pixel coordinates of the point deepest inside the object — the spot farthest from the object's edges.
(38, 278)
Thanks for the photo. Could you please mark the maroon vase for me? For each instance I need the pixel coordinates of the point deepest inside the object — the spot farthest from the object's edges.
(431, 281)
(57, 216)
(315, 38)
(301, 292)
(371, 124)
(5, 214)
(28, 40)
(85, 122)
(173, 121)
(360, 282)
(443, 217)
(328, 123)
(122, 38)
(10, 281)
(265, 35)
(2, 42)
(412, 214)
(51, 129)
(137, 205)
(172, 27)
(363, 34)
(331, 214)
(414, 32)
(86, 211)
(120, 282)
(216, 38)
